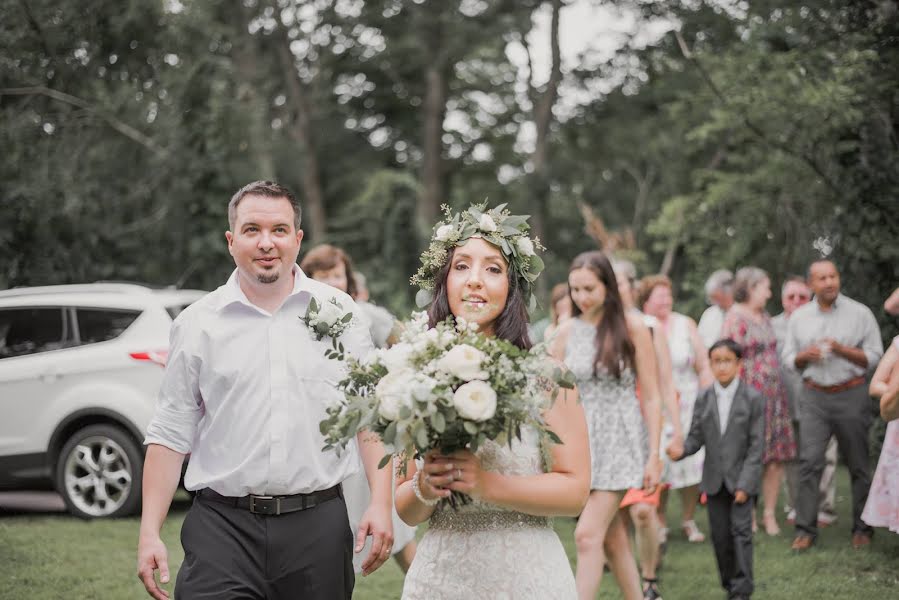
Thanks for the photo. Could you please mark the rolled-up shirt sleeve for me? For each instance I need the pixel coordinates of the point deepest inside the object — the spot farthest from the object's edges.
(872, 344)
(179, 405)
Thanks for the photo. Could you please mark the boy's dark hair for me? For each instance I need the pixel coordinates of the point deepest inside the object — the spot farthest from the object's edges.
(730, 344)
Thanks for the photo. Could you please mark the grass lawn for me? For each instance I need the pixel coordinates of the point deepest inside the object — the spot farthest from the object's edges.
(56, 556)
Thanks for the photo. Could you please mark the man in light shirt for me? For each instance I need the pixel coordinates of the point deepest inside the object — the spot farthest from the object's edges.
(245, 388)
(720, 296)
(833, 342)
(794, 293)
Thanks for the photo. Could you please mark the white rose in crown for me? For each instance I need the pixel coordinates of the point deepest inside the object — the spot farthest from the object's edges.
(397, 357)
(464, 362)
(475, 401)
(393, 394)
(329, 313)
(486, 223)
(444, 232)
(526, 246)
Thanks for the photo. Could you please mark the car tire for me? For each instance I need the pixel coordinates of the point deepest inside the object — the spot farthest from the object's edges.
(99, 473)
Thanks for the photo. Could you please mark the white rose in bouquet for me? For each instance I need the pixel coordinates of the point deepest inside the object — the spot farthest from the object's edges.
(329, 313)
(392, 393)
(396, 358)
(487, 223)
(475, 401)
(464, 362)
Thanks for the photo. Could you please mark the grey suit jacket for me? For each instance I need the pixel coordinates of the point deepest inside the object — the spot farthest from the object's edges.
(733, 460)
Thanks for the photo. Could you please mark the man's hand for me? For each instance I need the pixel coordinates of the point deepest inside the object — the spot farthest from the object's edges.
(376, 522)
(812, 354)
(152, 555)
(740, 497)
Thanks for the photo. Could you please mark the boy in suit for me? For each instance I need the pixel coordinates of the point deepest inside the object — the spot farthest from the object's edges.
(729, 421)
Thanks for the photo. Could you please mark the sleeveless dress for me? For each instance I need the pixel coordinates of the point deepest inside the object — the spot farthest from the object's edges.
(619, 441)
(486, 551)
(688, 471)
(761, 370)
(882, 507)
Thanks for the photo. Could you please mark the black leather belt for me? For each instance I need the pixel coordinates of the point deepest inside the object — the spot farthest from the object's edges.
(273, 505)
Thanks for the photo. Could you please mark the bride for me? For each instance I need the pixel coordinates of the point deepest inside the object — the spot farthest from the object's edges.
(502, 544)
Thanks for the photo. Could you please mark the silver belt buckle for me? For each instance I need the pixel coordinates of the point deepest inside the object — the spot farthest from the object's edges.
(253, 500)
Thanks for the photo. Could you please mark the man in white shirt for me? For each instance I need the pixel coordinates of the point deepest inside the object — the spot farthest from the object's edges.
(720, 296)
(245, 388)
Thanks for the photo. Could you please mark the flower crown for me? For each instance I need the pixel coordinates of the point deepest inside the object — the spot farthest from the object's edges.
(506, 231)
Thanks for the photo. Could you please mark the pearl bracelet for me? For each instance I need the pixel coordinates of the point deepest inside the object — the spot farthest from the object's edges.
(419, 495)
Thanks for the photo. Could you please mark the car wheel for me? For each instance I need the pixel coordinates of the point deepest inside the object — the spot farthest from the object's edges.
(99, 473)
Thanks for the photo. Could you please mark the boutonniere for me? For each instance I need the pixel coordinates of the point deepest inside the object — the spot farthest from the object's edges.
(327, 319)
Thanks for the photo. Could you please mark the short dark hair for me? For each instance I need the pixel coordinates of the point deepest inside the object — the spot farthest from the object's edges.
(268, 189)
(808, 272)
(730, 344)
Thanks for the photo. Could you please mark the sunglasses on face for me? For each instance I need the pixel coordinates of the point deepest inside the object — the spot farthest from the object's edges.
(798, 296)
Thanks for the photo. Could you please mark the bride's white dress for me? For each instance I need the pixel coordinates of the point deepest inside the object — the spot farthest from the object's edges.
(485, 551)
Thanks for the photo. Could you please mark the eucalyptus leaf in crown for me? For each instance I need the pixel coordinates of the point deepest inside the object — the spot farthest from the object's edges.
(508, 232)
(446, 388)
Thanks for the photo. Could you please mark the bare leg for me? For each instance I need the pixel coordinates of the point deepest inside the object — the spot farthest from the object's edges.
(589, 535)
(663, 506)
(646, 528)
(770, 488)
(405, 556)
(617, 547)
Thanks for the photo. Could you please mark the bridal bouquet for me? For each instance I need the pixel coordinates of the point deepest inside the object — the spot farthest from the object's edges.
(446, 388)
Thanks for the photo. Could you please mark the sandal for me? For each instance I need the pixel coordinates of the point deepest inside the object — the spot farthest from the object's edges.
(691, 530)
(651, 589)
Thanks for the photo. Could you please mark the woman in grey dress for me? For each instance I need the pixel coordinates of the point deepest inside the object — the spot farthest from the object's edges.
(610, 352)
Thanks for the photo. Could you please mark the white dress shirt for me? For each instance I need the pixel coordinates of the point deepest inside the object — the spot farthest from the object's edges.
(710, 324)
(725, 398)
(849, 322)
(244, 392)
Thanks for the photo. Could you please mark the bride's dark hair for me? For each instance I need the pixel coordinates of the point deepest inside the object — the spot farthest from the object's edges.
(511, 324)
(614, 348)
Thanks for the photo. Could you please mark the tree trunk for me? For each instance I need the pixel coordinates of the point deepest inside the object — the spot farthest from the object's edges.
(247, 62)
(543, 107)
(300, 130)
(434, 109)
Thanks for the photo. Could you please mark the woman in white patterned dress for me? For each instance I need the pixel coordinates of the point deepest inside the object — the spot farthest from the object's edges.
(501, 545)
(690, 367)
(609, 351)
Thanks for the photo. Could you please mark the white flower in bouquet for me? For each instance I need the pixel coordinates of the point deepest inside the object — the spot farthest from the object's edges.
(526, 246)
(393, 394)
(463, 361)
(486, 223)
(444, 232)
(329, 313)
(475, 400)
(396, 358)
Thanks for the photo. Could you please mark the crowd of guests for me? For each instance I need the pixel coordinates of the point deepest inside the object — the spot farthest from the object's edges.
(727, 412)
(806, 372)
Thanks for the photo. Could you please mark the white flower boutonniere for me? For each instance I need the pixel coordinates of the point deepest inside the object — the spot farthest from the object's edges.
(329, 319)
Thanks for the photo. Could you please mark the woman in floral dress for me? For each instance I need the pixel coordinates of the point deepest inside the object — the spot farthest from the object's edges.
(749, 325)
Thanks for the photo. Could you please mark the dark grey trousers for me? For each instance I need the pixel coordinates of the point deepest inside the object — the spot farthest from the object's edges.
(731, 526)
(847, 415)
(231, 553)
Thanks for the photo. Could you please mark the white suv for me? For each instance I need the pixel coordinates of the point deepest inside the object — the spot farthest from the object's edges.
(80, 367)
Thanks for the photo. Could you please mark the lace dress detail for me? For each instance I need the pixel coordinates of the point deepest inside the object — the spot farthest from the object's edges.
(619, 442)
(486, 551)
